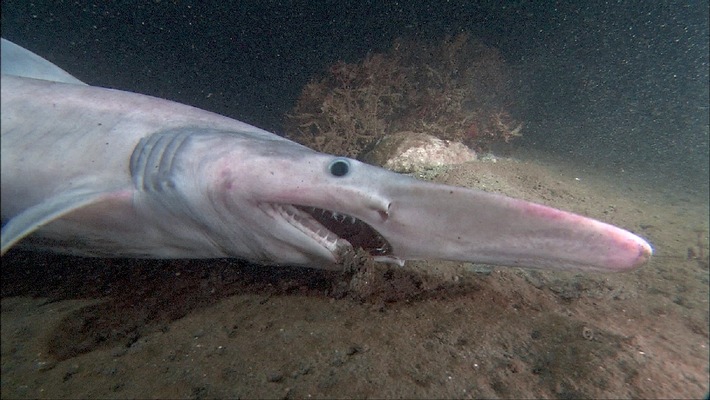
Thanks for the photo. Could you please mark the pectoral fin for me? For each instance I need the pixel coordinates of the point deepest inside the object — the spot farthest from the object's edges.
(47, 211)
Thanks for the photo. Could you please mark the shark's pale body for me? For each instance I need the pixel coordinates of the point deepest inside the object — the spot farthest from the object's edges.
(100, 172)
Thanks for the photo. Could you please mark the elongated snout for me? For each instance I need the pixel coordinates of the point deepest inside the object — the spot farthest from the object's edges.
(431, 221)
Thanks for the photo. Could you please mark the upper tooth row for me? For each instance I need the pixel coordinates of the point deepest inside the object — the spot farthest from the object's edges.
(342, 217)
(337, 216)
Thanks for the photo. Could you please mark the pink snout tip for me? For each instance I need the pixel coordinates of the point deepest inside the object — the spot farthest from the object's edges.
(632, 251)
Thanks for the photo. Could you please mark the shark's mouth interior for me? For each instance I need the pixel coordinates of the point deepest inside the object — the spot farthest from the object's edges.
(331, 226)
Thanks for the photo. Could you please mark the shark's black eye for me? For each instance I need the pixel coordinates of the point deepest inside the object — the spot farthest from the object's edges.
(339, 167)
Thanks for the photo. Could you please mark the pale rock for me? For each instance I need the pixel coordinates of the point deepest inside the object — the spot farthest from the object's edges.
(411, 152)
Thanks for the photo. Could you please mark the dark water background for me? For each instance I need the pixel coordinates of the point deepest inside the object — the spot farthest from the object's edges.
(618, 84)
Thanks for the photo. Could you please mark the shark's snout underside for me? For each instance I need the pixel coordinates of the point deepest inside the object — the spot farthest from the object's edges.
(106, 173)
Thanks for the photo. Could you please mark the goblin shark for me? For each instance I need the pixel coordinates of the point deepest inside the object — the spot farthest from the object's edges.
(98, 172)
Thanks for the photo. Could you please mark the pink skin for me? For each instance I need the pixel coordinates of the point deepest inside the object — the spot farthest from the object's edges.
(624, 250)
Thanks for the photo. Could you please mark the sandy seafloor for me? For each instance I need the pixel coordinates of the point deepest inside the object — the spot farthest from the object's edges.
(94, 328)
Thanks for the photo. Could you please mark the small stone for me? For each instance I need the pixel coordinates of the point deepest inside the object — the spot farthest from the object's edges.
(352, 350)
(45, 365)
(588, 333)
(274, 377)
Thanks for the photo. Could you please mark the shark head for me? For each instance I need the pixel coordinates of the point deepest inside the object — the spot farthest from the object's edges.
(274, 201)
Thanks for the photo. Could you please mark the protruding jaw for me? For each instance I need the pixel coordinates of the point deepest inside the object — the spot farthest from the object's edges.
(322, 206)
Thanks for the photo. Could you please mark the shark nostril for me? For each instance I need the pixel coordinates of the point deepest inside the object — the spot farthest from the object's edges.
(384, 215)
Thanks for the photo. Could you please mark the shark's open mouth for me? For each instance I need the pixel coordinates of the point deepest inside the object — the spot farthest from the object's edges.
(355, 231)
(332, 228)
